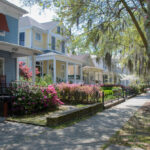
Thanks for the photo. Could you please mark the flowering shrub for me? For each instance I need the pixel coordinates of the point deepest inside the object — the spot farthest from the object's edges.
(75, 93)
(25, 71)
(132, 90)
(32, 99)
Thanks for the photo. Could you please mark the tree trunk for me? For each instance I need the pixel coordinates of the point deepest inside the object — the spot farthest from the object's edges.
(147, 27)
(136, 23)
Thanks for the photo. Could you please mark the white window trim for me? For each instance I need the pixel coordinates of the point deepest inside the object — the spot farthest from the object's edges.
(2, 33)
(40, 36)
(1, 58)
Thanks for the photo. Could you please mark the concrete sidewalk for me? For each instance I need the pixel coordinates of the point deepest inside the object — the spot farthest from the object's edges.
(90, 134)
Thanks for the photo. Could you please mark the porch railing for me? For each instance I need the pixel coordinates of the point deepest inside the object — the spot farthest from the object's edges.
(22, 83)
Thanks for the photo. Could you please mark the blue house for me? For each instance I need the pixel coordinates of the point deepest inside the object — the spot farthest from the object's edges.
(9, 48)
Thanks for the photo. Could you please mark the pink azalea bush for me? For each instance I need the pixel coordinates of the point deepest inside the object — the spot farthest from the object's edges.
(76, 93)
(25, 71)
(31, 99)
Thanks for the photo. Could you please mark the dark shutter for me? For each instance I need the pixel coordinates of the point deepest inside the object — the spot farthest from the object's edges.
(22, 38)
(53, 43)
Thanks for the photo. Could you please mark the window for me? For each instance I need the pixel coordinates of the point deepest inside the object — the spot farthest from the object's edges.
(1, 66)
(22, 38)
(105, 78)
(58, 29)
(38, 36)
(2, 33)
(63, 46)
(62, 71)
(53, 43)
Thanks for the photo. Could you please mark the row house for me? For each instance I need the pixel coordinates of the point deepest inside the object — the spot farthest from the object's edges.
(96, 71)
(9, 48)
(50, 39)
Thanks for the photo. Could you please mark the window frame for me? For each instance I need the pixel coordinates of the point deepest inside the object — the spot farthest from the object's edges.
(53, 48)
(62, 72)
(21, 40)
(37, 33)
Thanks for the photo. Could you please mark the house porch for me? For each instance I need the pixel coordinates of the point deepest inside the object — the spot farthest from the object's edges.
(61, 68)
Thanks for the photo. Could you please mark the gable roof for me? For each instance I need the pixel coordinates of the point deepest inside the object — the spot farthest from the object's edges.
(30, 22)
(50, 25)
(22, 11)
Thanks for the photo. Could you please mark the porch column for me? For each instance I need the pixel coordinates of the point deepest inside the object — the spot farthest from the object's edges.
(17, 69)
(42, 67)
(48, 39)
(54, 70)
(89, 78)
(74, 73)
(33, 69)
(66, 72)
(31, 38)
(47, 67)
(81, 73)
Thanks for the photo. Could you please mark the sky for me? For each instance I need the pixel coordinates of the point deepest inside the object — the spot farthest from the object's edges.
(35, 12)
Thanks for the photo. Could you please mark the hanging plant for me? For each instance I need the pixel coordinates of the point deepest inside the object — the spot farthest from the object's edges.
(130, 65)
(108, 60)
(98, 59)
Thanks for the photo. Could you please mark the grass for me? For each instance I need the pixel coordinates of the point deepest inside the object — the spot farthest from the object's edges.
(136, 132)
(35, 119)
(40, 118)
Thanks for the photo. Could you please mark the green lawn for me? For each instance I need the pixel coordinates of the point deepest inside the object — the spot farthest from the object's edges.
(136, 132)
(40, 118)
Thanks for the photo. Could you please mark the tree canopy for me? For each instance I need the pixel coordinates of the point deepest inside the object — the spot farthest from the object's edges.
(120, 27)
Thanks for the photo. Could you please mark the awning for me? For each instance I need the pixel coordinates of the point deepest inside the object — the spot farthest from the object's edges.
(3, 23)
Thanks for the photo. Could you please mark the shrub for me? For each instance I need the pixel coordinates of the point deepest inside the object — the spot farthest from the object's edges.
(109, 86)
(25, 71)
(76, 93)
(108, 92)
(45, 81)
(32, 99)
(117, 90)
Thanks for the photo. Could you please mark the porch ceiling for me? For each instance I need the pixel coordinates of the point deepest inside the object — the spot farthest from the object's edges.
(17, 50)
(89, 69)
(59, 57)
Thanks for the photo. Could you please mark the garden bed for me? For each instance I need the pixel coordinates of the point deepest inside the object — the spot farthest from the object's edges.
(40, 118)
(58, 119)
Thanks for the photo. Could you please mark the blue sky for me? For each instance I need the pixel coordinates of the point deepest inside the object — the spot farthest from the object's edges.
(36, 13)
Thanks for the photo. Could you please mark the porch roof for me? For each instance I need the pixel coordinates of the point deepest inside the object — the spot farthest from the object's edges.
(51, 56)
(17, 50)
(89, 68)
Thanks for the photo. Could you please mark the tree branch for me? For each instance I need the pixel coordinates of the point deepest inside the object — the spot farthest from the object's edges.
(135, 23)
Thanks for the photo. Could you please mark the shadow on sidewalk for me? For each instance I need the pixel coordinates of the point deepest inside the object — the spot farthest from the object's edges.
(88, 134)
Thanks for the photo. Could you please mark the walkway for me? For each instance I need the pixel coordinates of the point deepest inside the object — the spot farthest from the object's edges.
(90, 134)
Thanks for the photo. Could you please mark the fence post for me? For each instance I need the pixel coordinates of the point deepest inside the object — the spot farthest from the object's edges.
(124, 95)
(103, 99)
